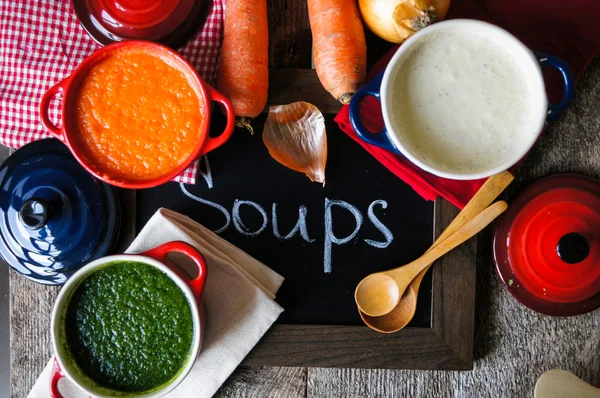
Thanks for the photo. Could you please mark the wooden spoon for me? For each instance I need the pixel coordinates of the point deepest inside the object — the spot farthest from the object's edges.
(557, 383)
(379, 293)
(404, 312)
(400, 316)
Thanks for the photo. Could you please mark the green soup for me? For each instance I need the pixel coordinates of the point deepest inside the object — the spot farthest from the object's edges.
(129, 327)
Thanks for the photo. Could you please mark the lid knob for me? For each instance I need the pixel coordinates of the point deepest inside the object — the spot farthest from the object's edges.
(573, 248)
(35, 213)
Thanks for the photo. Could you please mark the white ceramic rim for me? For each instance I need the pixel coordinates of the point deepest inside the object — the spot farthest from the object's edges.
(80, 275)
(475, 26)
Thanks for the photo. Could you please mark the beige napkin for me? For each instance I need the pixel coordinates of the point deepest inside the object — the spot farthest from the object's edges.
(238, 297)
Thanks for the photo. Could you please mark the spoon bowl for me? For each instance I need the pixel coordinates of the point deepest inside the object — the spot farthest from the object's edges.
(378, 292)
(402, 314)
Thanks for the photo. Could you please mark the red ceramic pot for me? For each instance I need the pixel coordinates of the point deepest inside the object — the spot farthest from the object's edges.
(170, 22)
(192, 289)
(547, 245)
(68, 133)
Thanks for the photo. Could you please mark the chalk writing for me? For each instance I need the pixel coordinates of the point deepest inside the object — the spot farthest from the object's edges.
(207, 174)
(237, 220)
(211, 204)
(379, 225)
(300, 225)
(330, 237)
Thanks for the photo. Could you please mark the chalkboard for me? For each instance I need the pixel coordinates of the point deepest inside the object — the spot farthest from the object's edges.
(254, 202)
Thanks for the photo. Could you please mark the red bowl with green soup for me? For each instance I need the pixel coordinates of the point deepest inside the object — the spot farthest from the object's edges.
(129, 325)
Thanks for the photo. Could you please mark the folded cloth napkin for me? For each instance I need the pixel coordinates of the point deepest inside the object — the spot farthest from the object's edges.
(238, 298)
(568, 30)
(42, 42)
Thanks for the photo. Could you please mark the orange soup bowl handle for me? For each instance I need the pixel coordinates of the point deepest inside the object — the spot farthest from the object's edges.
(160, 254)
(215, 142)
(58, 88)
(57, 374)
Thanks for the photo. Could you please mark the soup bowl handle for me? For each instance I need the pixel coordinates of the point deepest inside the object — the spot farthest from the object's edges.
(215, 142)
(380, 139)
(545, 60)
(59, 88)
(57, 374)
(160, 254)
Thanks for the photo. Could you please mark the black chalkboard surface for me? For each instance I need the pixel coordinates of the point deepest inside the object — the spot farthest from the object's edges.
(254, 202)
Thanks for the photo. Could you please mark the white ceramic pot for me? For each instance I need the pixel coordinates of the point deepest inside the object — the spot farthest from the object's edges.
(394, 139)
(193, 289)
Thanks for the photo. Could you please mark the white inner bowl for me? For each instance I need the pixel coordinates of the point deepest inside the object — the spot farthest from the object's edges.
(448, 151)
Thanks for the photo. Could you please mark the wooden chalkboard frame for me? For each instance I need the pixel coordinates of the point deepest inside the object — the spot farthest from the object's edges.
(447, 345)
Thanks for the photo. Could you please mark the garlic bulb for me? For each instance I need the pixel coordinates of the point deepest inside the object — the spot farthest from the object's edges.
(397, 20)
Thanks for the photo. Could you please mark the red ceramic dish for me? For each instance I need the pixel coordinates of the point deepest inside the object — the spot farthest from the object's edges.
(68, 133)
(546, 246)
(170, 22)
(193, 289)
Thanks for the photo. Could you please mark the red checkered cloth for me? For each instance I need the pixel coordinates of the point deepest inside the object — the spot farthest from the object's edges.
(42, 42)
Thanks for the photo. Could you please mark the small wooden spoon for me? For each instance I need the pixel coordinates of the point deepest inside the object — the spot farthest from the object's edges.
(404, 312)
(379, 293)
(556, 383)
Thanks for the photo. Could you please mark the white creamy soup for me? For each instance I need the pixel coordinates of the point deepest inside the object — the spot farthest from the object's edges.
(461, 102)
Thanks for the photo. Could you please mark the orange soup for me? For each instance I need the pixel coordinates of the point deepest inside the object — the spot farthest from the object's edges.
(138, 115)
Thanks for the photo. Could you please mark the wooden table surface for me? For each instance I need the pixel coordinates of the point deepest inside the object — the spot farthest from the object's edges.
(569, 145)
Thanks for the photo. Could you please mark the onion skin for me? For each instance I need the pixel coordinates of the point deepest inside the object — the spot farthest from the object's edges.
(397, 20)
(295, 136)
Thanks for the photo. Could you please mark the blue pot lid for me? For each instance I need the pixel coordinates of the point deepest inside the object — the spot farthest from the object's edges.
(54, 216)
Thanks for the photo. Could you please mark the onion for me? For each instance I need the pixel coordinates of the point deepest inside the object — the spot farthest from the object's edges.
(397, 20)
(295, 136)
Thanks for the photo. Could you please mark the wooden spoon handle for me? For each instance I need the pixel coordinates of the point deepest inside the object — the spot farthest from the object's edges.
(488, 192)
(416, 283)
(467, 231)
(484, 197)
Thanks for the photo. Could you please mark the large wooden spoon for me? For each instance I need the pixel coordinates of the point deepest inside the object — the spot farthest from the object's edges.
(379, 293)
(404, 312)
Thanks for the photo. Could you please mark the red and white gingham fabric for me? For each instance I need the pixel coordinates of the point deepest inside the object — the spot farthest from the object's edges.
(41, 42)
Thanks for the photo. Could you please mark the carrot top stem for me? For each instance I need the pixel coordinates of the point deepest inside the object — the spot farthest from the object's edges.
(242, 121)
(345, 98)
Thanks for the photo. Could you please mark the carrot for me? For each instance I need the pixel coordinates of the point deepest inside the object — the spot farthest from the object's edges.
(243, 70)
(339, 48)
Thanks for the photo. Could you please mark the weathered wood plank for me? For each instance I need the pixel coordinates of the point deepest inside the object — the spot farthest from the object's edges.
(290, 40)
(31, 347)
(265, 382)
(363, 383)
(291, 85)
